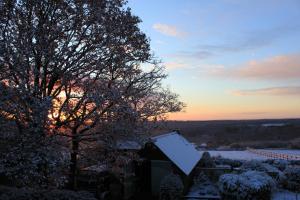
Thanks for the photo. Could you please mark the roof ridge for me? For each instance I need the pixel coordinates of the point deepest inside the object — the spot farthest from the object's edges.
(164, 135)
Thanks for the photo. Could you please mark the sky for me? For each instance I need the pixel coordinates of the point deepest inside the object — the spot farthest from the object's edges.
(227, 59)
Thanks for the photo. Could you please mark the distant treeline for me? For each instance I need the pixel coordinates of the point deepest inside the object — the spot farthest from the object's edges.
(278, 133)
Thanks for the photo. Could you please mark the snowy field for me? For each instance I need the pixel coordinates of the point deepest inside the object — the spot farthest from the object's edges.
(246, 155)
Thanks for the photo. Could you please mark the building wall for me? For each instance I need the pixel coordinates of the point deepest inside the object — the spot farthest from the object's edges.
(159, 169)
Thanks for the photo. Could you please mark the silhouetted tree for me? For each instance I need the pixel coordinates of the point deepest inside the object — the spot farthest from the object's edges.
(72, 67)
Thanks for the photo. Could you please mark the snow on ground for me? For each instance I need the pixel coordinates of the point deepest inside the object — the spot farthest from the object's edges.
(284, 151)
(285, 195)
(246, 155)
(236, 155)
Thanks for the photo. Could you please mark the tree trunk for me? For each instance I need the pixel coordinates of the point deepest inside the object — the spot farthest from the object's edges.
(73, 165)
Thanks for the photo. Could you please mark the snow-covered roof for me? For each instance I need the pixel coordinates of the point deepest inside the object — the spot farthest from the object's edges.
(128, 145)
(181, 152)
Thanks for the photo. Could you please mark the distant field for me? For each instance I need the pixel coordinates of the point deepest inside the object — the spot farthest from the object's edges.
(239, 134)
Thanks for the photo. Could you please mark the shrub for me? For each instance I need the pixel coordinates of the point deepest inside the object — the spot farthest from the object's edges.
(33, 163)
(279, 164)
(171, 188)
(202, 184)
(292, 181)
(201, 178)
(206, 161)
(9, 193)
(275, 173)
(226, 161)
(251, 185)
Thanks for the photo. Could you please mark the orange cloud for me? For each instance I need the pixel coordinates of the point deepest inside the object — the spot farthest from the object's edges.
(277, 91)
(169, 30)
(277, 67)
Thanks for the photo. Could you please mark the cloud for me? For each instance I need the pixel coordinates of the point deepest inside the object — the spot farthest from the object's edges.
(251, 40)
(169, 30)
(273, 91)
(246, 42)
(274, 68)
(190, 55)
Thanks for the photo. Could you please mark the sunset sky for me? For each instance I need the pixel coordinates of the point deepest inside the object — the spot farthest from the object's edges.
(227, 59)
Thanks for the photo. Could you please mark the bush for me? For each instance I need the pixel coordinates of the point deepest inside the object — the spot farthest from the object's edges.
(226, 161)
(279, 164)
(9, 193)
(272, 171)
(201, 178)
(32, 162)
(292, 181)
(202, 184)
(171, 188)
(251, 185)
(206, 161)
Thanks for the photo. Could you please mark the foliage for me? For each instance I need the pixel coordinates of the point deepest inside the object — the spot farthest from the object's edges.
(251, 185)
(292, 181)
(272, 171)
(201, 178)
(33, 161)
(203, 184)
(279, 164)
(171, 188)
(80, 62)
(74, 68)
(206, 161)
(8, 193)
(225, 161)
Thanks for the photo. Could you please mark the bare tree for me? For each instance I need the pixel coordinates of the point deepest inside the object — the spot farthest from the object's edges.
(69, 67)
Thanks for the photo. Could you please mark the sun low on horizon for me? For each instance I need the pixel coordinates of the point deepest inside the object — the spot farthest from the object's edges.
(227, 59)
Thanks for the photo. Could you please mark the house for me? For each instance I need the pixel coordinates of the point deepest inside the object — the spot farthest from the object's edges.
(165, 154)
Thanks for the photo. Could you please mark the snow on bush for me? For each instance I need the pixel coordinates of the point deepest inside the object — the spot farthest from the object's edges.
(225, 161)
(202, 184)
(251, 185)
(292, 181)
(255, 165)
(31, 164)
(171, 188)
(279, 164)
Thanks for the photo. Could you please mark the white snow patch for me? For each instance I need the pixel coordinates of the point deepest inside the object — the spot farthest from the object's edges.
(235, 155)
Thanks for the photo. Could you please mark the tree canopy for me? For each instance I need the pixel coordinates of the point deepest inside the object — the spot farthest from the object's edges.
(75, 68)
